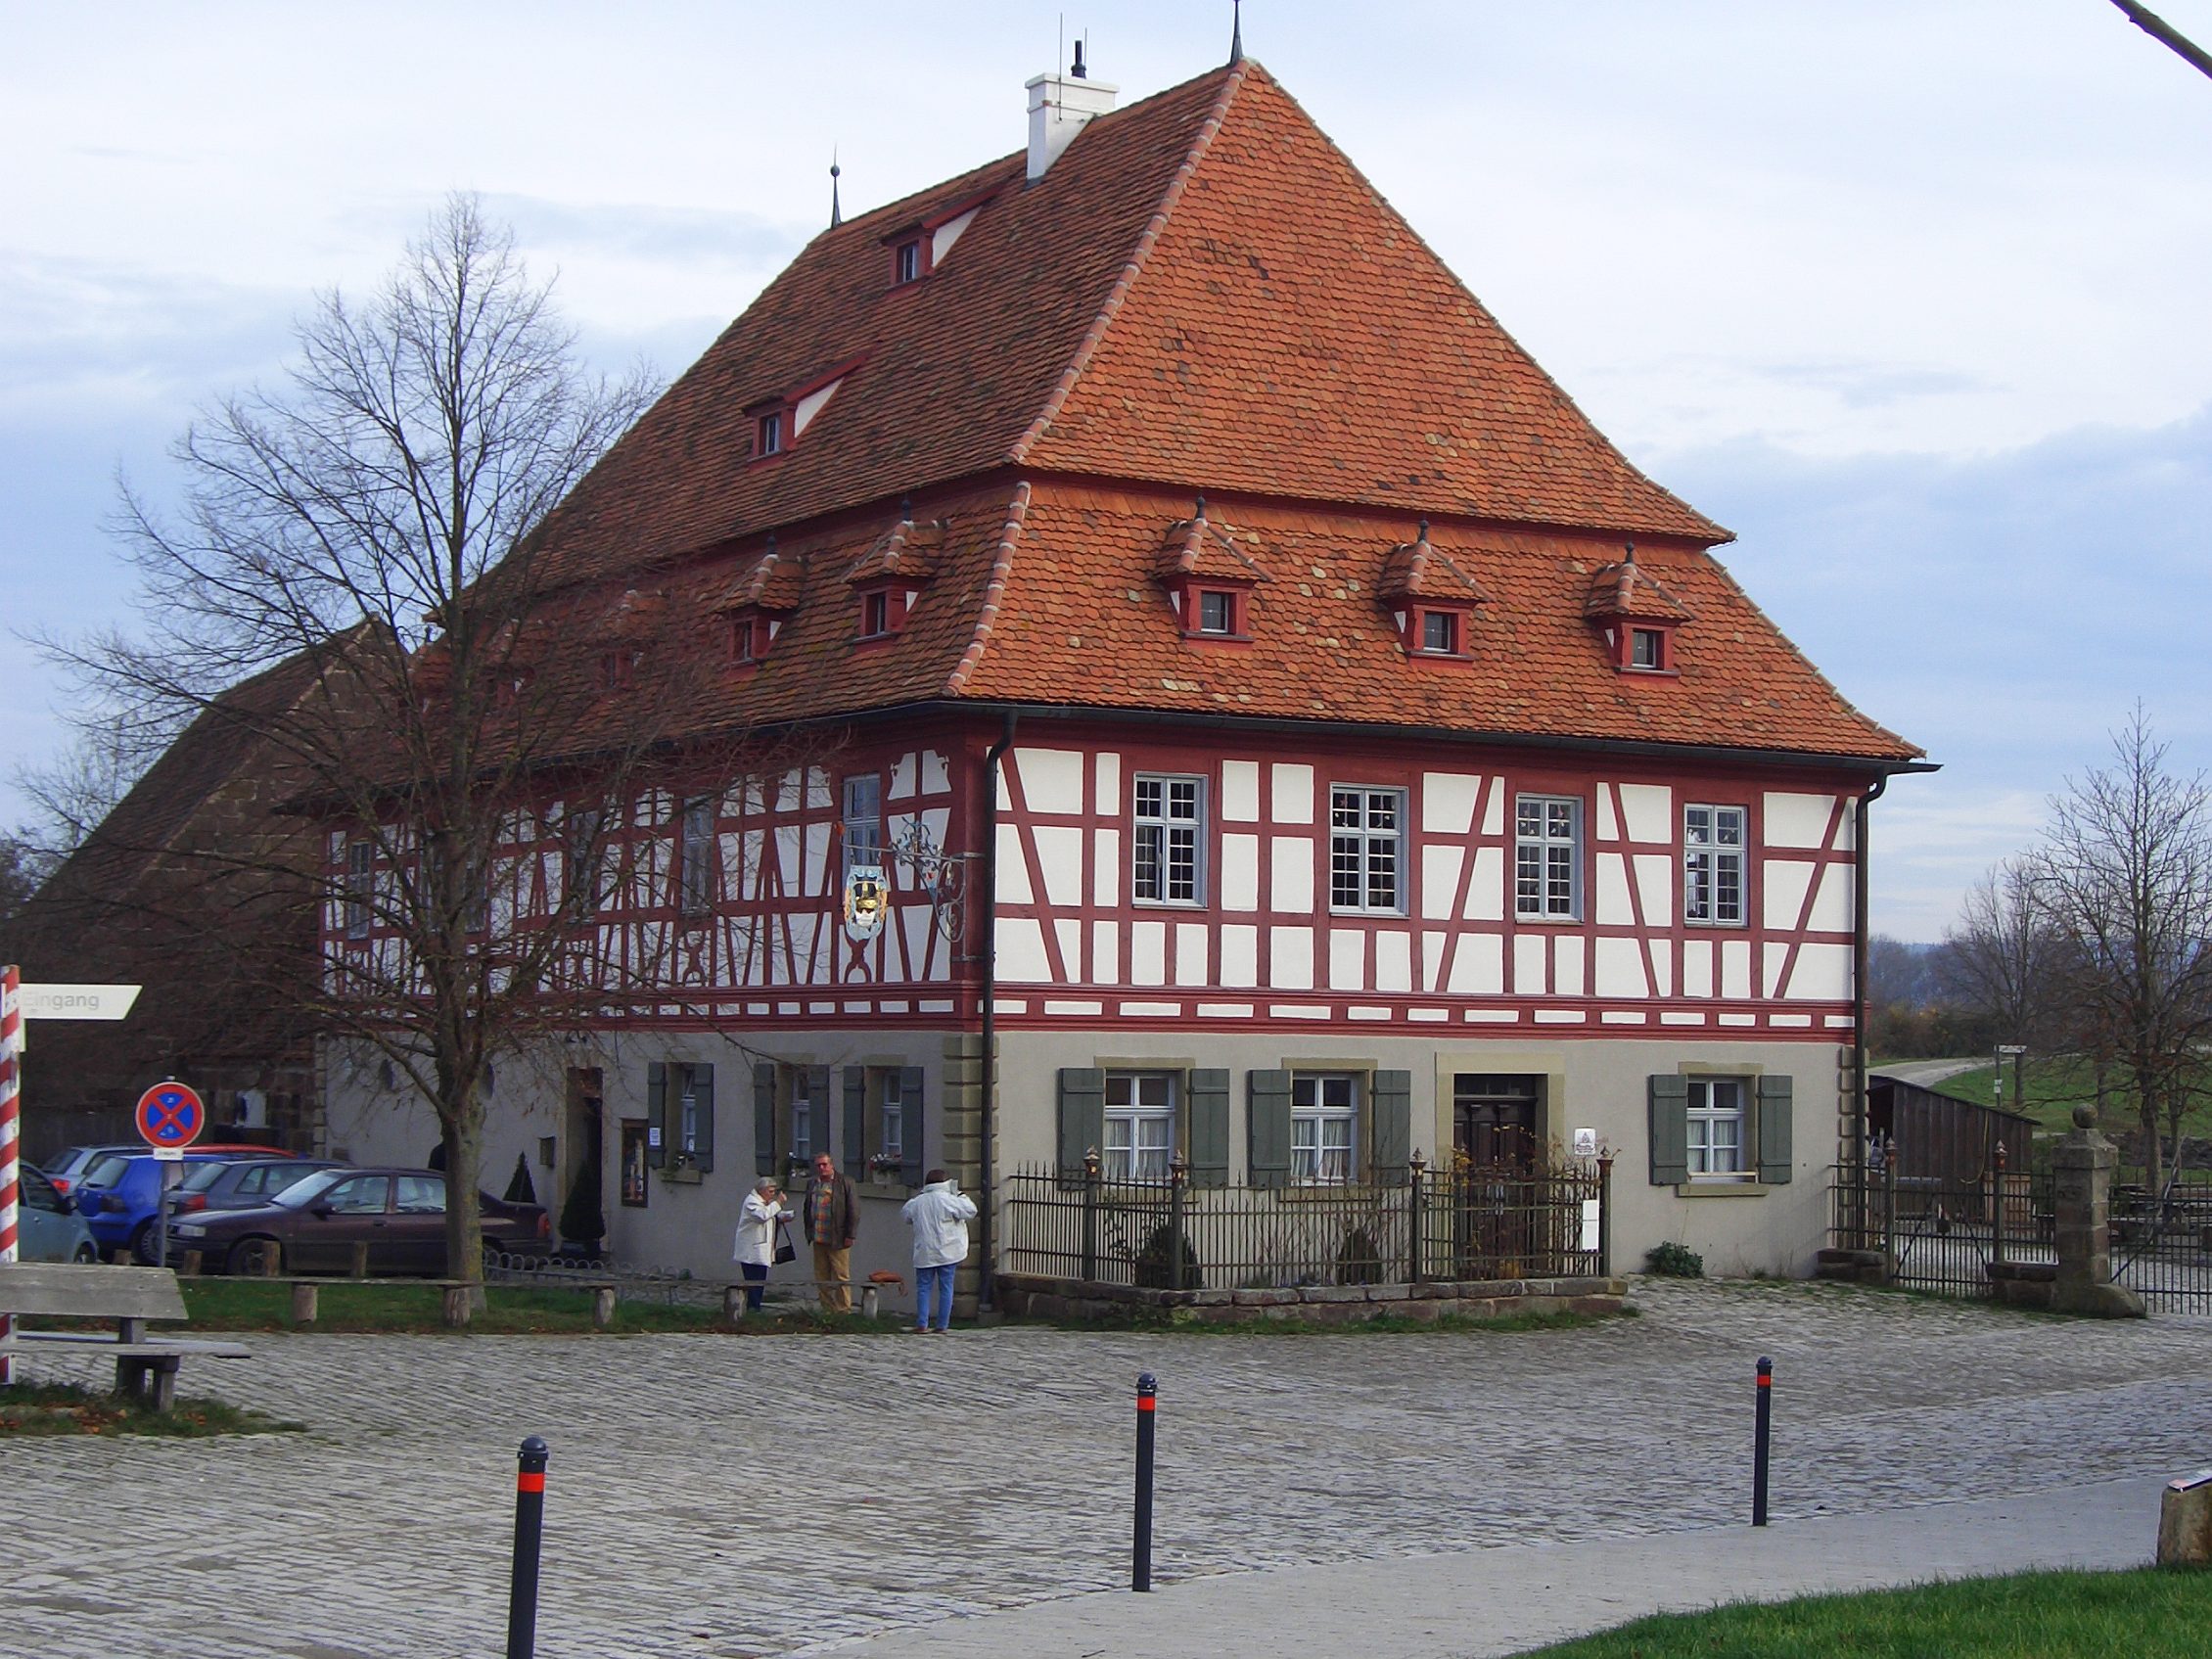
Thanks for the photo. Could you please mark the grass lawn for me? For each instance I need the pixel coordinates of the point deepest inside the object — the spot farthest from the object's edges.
(242, 1305)
(62, 1408)
(2054, 1086)
(2152, 1613)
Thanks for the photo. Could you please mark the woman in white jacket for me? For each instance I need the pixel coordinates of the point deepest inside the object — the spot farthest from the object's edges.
(939, 1215)
(756, 1248)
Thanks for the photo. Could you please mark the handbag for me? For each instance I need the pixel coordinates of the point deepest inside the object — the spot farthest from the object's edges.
(786, 1251)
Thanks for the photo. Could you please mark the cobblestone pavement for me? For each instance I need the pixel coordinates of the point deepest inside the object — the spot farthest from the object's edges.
(751, 1495)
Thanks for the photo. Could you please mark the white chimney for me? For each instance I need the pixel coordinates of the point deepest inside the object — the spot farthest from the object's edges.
(1059, 108)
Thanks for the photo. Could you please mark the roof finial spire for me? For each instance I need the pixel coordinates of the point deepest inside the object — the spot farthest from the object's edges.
(1630, 547)
(837, 215)
(1424, 535)
(1201, 513)
(906, 509)
(1236, 33)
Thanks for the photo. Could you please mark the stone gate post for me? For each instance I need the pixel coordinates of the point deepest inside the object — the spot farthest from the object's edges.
(2082, 1166)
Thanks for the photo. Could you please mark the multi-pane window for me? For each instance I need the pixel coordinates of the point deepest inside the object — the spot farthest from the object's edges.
(1548, 866)
(1170, 820)
(1140, 1124)
(1716, 1126)
(687, 1111)
(1367, 850)
(695, 857)
(863, 820)
(802, 1117)
(360, 874)
(1323, 1106)
(1713, 864)
(893, 1137)
(1217, 611)
(1648, 648)
(1440, 631)
(584, 858)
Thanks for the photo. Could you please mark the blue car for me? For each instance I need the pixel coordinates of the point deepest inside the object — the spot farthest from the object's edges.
(119, 1196)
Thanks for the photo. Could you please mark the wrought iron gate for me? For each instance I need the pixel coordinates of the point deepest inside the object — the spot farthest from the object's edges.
(2162, 1239)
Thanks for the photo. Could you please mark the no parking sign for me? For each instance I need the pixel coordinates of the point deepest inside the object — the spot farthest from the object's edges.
(170, 1115)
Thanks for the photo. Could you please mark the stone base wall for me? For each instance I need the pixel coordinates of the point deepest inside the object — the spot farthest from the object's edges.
(1036, 1297)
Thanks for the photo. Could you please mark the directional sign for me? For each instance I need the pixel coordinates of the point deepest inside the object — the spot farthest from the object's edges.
(77, 1002)
(169, 1114)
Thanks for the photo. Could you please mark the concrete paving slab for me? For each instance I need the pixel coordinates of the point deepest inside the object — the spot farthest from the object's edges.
(1489, 1603)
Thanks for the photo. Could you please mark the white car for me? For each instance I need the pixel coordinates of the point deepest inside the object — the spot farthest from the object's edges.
(48, 1227)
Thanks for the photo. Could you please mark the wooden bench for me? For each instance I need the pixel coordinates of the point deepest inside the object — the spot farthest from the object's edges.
(146, 1366)
(871, 1293)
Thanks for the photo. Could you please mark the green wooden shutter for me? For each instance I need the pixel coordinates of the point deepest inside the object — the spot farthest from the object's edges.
(1773, 1130)
(703, 1092)
(856, 1120)
(1669, 1095)
(1392, 1111)
(1082, 1117)
(912, 1166)
(657, 1114)
(1267, 1128)
(1208, 1127)
(765, 1123)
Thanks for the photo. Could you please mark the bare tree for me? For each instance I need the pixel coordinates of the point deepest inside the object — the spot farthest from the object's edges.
(2125, 878)
(453, 698)
(2005, 960)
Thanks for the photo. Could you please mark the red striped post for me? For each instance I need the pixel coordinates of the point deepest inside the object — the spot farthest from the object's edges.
(10, 1135)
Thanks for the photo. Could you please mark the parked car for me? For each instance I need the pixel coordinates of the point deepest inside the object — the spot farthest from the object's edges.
(120, 1195)
(68, 1167)
(242, 1183)
(48, 1227)
(313, 1225)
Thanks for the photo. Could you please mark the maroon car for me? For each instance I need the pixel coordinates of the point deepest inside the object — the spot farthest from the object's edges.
(313, 1226)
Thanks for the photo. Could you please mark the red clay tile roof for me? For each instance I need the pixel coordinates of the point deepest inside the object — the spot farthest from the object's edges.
(906, 549)
(1625, 588)
(1417, 569)
(1202, 293)
(1210, 551)
(772, 581)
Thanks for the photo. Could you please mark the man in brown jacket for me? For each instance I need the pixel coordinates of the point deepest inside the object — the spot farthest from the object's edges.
(832, 1218)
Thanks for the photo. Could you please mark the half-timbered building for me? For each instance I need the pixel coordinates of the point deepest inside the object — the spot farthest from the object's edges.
(1293, 738)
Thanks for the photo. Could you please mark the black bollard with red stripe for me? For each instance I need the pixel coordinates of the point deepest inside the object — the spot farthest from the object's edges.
(1759, 1441)
(529, 1531)
(1140, 1571)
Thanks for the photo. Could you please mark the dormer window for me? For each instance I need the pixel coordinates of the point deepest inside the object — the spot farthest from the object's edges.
(1431, 596)
(770, 433)
(1217, 611)
(616, 670)
(875, 614)
(906, 261)
(1439, 632)
(751, 632)
(1637, 616)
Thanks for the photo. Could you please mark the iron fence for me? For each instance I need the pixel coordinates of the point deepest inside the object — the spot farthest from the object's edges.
(2162, 1237)
(1945, 1229)
(1170, 1233)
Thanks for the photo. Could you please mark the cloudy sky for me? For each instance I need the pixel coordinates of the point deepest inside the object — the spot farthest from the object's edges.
(1909, 294)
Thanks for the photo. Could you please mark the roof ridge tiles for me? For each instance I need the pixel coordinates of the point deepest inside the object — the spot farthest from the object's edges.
(1233, 80)
(995, 591)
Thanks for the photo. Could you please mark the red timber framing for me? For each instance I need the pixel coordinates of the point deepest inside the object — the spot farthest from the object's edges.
(1262, 944)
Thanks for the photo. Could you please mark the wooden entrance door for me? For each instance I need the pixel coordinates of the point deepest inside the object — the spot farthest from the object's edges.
(1493, 1120)
(1495, 1133)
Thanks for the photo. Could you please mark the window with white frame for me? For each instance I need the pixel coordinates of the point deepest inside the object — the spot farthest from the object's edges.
(863, 820)
(687, 1111)
(1716, 1128)
(892, 1136)
(1170, 822)
(360, 876)
(1140, 1124)
(695, 860)
(801, 1116)
(1547, 870)
(1366, 849)
(1713, 864)
(1324, 1107)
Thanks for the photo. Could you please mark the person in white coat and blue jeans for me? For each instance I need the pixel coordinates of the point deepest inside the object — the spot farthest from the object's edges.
(939, 1215)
